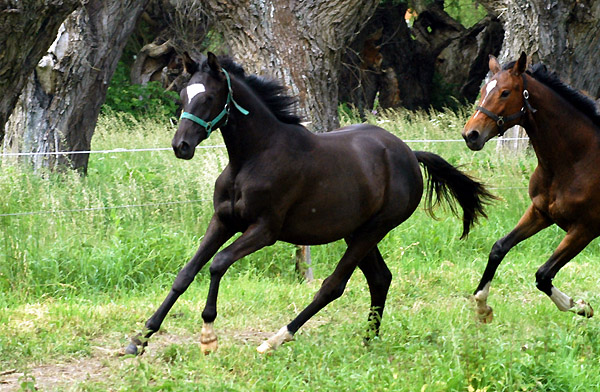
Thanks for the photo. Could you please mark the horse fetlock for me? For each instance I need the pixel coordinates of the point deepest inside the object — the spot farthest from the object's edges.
(208, 339)
(271, 344)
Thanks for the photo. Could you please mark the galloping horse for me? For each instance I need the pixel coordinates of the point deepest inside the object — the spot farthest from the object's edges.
(564, 129)
(285, 183)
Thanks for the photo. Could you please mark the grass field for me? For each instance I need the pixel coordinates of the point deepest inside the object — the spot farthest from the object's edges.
(78, 277)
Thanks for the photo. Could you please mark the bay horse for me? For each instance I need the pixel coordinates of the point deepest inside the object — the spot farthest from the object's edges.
(564, 129)
(285, 183)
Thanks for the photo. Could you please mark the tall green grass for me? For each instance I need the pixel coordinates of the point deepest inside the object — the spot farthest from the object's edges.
(75, 284)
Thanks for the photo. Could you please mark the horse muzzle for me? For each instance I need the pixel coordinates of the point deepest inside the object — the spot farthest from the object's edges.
(183, 150)
(474, 139)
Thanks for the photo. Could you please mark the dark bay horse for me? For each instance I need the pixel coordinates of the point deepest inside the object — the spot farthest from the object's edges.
(564, 129)
(285, 183)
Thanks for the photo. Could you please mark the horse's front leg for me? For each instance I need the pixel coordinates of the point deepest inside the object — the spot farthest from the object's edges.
(530, 223)
(215, 237)
(257, 236)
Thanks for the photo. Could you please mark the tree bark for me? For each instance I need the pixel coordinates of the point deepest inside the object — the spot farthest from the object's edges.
(563, 34)
(27, 28)
(60, 105)
(300, 43)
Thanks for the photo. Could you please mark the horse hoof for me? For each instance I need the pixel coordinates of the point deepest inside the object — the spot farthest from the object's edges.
(132, 349)
(584, 309)
(265, 348)
(485, 315)
(209, 346)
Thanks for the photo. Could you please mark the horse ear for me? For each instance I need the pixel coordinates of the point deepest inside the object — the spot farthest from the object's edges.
(520, 65)
(494, 65)
(189, 65)
(213, 62)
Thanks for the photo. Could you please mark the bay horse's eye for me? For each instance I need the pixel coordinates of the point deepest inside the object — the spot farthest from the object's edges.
(505, 93)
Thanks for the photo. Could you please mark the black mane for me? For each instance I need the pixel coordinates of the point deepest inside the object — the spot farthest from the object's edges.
(576, 98)
(271, 92)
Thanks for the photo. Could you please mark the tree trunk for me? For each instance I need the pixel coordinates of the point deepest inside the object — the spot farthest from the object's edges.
(400, 62)
(27, 28)
(300, 43)
(60, 105)
(563, 34)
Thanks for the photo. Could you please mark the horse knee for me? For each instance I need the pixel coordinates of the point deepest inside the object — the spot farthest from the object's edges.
(220, 264)
(498, 252)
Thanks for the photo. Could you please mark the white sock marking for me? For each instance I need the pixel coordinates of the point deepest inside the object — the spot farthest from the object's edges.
(562, 300)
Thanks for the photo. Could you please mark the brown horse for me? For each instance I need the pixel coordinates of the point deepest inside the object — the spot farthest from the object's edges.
(286, 183)
(564, 128)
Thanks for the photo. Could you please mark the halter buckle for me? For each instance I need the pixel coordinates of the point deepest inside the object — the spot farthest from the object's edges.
(500, 121)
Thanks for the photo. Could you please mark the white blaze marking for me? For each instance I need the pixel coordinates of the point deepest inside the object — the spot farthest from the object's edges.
(562, 300)
(193, 90)
(490, 86)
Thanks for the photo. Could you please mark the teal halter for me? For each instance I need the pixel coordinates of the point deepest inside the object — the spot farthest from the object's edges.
(208, 126)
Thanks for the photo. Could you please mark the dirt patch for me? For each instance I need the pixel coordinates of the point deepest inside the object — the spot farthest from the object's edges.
(102, 363)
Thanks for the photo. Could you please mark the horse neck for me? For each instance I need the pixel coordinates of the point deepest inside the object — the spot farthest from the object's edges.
(247, 136)
(558, 132)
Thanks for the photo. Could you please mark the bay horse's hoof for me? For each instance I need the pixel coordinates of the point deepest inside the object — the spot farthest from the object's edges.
(583, 309)
(132, 349)
(485, 315)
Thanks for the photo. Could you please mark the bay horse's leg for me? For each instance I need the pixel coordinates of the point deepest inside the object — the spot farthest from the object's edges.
(379, 279)
(216, 235)
(257, 236)
(573, 243)
(331, 289)
(530, 223)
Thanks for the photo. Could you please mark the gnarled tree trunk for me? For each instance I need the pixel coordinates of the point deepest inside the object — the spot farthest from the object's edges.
(300, 43)
(27, 28)
(60, 105)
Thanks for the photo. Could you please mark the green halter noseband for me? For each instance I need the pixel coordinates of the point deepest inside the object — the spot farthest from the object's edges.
(208, 126)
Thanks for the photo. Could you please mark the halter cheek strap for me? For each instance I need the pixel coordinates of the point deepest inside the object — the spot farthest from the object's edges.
(501, 120)
(209, 125)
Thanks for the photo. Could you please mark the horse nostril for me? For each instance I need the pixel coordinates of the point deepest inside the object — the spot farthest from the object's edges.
(183, 148)
(472, 136)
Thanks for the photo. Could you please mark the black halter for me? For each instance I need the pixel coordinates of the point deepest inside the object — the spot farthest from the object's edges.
(501, 120)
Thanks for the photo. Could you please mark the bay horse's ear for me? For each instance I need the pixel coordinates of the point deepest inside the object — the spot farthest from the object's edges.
(494, 65)
(189, 65)
(520, 65)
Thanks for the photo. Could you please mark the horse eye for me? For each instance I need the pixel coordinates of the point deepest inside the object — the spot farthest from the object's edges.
(505, 93)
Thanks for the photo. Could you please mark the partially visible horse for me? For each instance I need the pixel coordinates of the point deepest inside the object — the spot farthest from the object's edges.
(564, 129)
(286, 183)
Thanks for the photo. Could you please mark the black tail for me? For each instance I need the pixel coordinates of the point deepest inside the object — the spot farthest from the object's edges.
(444, 180)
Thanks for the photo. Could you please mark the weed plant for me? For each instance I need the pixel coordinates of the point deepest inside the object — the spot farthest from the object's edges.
(93, 256)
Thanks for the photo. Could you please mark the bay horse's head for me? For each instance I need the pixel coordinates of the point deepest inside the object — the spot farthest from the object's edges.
(503, 102)
(206, 103)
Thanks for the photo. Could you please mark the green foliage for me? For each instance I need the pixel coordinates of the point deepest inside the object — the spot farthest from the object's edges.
(141, 101)
(466, 12)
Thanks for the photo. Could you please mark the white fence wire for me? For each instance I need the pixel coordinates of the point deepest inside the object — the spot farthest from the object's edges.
(157, 149)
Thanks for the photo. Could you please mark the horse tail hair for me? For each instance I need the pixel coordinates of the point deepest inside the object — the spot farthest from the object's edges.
(446, 182)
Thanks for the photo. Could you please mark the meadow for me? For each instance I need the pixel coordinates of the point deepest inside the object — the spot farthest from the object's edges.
(84, 261)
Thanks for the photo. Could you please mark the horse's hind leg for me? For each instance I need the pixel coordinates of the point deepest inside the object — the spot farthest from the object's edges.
(379, 279)
(332, 288)
(573, 243)
(530, 223)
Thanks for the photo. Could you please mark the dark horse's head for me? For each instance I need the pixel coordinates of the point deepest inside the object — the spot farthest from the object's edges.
(205, 103)
(503, 103)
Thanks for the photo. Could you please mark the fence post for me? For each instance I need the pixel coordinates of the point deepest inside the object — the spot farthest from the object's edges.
(303, 263)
